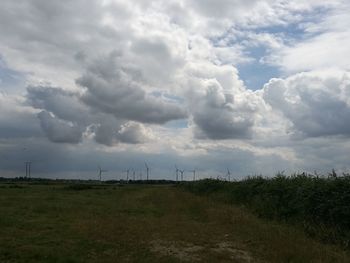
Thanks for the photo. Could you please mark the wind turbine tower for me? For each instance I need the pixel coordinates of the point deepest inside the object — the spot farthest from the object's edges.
(194, 174)
(182, 174)
(177, 173)
(28, 169)
(228, 175)
(100, 172)
(147, 170)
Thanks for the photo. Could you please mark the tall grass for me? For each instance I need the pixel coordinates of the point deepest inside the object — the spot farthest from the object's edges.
(321, 205)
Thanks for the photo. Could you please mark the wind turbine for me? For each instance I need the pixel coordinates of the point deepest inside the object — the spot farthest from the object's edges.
(194, 174)
(127, 171)
(182, 174)
(147, 170)
(228, 175)
(177, 173)
(28, 165)
(100, 172)
(28, 168)
(133, 175)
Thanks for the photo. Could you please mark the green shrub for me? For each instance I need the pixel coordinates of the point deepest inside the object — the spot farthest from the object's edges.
(320, 204)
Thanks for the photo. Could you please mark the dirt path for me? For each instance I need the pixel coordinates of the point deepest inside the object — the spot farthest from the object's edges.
(188, 252)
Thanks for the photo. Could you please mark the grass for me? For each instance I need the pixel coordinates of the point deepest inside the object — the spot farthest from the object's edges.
(106, 223)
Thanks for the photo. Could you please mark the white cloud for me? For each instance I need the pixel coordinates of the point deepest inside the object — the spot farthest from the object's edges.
(316, 103)
(321, 52)
(323, 45)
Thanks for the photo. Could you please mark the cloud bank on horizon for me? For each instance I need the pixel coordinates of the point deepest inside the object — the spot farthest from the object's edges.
(254, 86)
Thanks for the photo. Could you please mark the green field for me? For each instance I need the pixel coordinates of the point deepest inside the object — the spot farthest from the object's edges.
(110, 223)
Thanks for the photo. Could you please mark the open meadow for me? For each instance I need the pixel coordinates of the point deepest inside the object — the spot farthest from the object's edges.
(142, 223)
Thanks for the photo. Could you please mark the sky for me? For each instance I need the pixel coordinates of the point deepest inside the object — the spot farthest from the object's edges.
(252, 86)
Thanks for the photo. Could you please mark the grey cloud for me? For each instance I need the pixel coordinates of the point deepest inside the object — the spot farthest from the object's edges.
(19, 125)
(222, 8)
(112, 88)
(58, 130)
(159, 57)
(64, 104)
(105, 133)
(65, 118)
(46, 39)
(16, 120)
(133, 133)
(155, 49)
(108, 133)
(316, 104)
(323, 154)
(221, 115)
(57, 41)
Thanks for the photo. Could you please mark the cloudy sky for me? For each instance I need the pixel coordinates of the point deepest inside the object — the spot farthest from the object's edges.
(253, 86)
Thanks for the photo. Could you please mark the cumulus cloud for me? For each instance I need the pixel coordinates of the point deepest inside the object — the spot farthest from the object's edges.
(114, 89)
(220, 114)
(64, 104)
(219, 104)
(316, 103)
(58, 130)
(65, 118)
(109, 134)
(154, 34)
(161, 79)
(132, 132)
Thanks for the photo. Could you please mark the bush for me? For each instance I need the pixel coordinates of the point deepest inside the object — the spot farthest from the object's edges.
(320, 204)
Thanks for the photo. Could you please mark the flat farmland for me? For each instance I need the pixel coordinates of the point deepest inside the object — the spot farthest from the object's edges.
(142, 223)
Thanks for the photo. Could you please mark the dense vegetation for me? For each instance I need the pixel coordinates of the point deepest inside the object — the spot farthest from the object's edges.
(321, 205)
